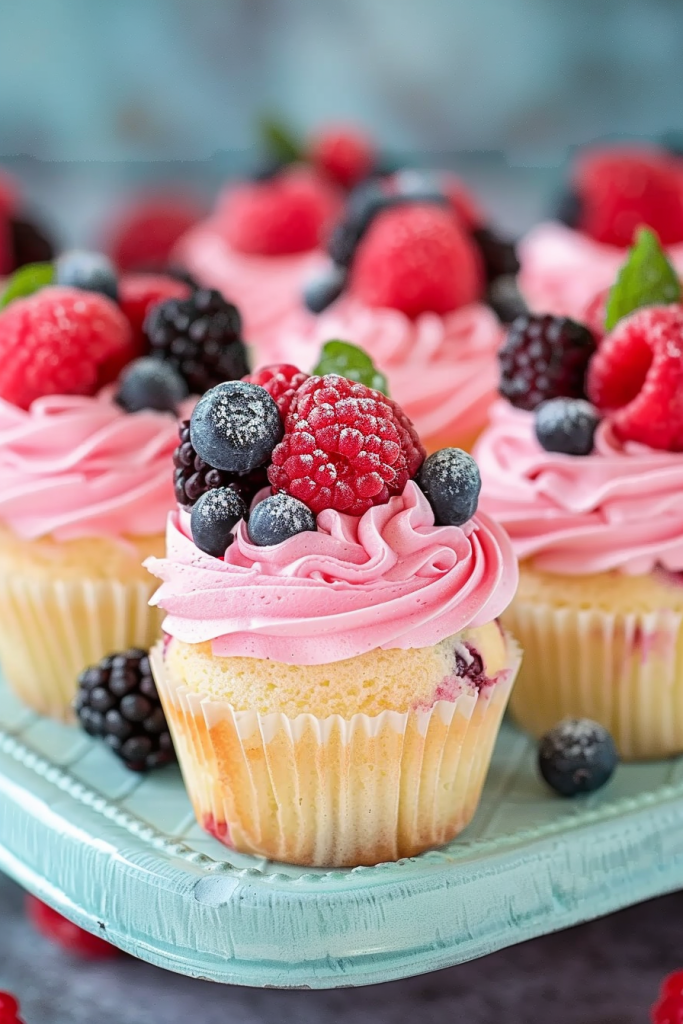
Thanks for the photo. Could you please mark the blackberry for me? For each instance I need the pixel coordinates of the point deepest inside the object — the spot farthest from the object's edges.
(200, 337)
(28, 243)
(498, 254)
(117, 701)
(544, 357)
(193, 477)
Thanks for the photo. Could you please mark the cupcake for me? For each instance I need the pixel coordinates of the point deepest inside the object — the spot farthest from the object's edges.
(86, 434)
(589, 494)
(407, 282)
(333, 671)
(567, 262)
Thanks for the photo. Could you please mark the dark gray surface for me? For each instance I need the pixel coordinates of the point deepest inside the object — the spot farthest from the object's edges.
(606, 972)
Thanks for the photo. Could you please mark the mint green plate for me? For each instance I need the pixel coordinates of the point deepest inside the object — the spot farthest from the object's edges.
(122, 856)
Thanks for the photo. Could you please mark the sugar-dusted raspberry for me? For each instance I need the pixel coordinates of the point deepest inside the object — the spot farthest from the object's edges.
(281, 381)
(417, 259)
(345, 447)
(58, 341)
(637, 377)
(621, 189)
(292, 212)
(345, 153)
(544, 357)
(139, 292)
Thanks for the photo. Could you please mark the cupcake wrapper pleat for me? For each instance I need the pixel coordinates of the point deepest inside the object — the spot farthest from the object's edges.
(334, 792)
(623, 670)
(51, 630)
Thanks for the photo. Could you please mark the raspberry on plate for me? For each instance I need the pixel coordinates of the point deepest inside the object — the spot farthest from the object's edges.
(637, 377)
(58, 341)
(415, 258)
(345, 153)
(281, 381)
(345, 447)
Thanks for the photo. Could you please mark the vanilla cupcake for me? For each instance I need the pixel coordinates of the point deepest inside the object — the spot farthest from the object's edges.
(333, 673)
(591, 501)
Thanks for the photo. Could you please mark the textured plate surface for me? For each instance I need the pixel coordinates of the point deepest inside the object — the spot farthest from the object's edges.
(122, 855)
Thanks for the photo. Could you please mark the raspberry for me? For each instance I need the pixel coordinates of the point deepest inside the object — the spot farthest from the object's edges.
(281, 382)
(345, 447)
(637, 376)
(139, 292)
(344, 153)
(146, 233)
(192, 476)
(64, 933)
(291, 213)
(544, 357)
(672, 986)
(416, 259)
(667, 1011)
(621, 189)
(58, 341)
(9, 1009)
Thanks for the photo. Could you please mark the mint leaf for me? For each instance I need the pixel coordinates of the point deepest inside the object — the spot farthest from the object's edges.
(351, 362)
(279, 142)
(26, 281)
(646, 279)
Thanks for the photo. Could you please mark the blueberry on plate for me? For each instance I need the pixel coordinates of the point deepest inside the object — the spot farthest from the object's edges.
(321, 291)
(89, 271)
(566, 425)
(577, 756)
(235, 426)
(277, 518)
(450, 479)
(213, 517)
(149, 383)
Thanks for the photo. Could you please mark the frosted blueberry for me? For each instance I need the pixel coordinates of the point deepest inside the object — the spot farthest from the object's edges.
(577, 756)
(566, 425)
(450, 479)
(89, 271)
(150, 384)
(213, 517)
(235, 426)
(278, 518)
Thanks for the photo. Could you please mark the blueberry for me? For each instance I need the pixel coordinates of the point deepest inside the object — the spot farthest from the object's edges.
(213, 517)
(149, 383)
(577, 756)
(451, 481)
(321, 291)
(90, 271)
(566, 425)
(277, 518)
(235, 426)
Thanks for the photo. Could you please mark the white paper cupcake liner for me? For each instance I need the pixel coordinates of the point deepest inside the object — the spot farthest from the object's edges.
(622, 670)
(334, 791)
(51, 630)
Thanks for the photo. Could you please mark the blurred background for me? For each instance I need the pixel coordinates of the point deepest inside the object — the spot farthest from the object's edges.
(97, 97)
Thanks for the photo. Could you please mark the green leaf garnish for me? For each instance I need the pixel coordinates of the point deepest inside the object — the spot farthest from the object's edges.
(279, 142)
(646, 279)
(351, 362)
(27, 280)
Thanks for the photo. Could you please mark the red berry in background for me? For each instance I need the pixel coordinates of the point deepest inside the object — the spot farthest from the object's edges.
(636, 376)
(139, 292)
(145, 234)
(9, 1009)
(622, 189)
(415, 258)
(345, 153)
(59, 341)
(669, 1007)
(281, 381)
(64, 933)
(346, 447)
(595, 313)
(290, 213)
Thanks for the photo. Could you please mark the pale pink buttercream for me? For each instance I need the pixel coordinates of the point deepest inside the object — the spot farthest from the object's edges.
(389, 579)
(80, 467)
(618, 508)
(442, 370)
(264, 288)
(563, 270)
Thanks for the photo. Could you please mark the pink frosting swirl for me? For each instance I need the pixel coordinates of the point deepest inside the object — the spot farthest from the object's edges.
(82, 467)
(389, 579)
(442, 370)
(264, 288)
(618, 508)
(563, 270)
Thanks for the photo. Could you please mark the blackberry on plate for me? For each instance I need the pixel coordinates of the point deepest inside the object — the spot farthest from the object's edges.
(277, 518)
(544, 357)
(213, 518)
(451, 481)
(192, 477)
(235, 426)
(150, 384)
(498, 254)
(566, 425)
(117, 701)
(200, 337)
(577, 756)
